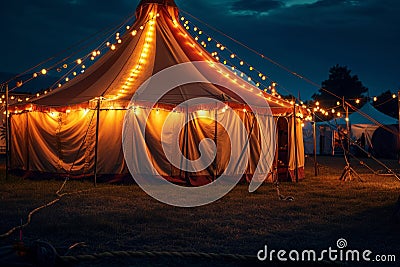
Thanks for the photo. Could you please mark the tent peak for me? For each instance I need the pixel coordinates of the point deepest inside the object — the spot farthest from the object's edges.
(160, 2)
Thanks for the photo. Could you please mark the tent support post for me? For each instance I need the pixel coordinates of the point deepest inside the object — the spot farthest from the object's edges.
(215, 141)
(7, 135)
(347, 126)
(97, 142)
(27, 142)
(315, 145)
(398, 105)
(187, 145)
(295, 142)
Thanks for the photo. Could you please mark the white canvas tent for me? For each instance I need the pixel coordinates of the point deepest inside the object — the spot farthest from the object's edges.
(324, 139)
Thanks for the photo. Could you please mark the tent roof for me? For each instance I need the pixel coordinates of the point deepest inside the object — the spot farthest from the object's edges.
(373, 114)
(160, 42)
(160, 2)
(365, 115)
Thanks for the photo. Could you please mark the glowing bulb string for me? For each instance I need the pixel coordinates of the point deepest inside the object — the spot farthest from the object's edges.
(272, 61)
(240, 74)
(223, 59)
(55, 56)
(385, 102)
(263, 56)
(243, 45)
(76, 45)
(138, 65)
(233, 55)
(84, 59)
(278, 99)
(57, 64)
(219, 45)
(100, 48)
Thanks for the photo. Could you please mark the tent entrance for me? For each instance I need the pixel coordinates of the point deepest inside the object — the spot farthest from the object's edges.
(283, 149)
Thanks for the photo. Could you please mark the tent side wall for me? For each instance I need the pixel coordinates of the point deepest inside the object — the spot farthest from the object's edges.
(53, 142)
(64, 143)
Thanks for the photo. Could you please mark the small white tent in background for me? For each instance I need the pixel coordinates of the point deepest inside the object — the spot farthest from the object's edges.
(368, 124)
(364, 121)
(324, 139)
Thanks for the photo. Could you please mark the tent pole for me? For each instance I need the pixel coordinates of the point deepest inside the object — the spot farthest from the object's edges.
(315, 145)
(27, 142)
(398, 105)
(347, 125)
(295, 142)
(216, 141)
(187, 145)
(7, 134)
(97, 142)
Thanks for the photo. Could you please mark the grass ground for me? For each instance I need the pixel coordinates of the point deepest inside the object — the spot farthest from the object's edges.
(125, 218)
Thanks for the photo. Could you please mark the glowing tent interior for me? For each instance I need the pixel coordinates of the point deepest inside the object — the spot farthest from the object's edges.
(76, 129)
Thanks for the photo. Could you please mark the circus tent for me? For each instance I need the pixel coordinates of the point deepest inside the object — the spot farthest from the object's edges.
(76, 128)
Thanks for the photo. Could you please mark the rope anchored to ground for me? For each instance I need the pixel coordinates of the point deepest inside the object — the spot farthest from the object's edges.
(42, 253)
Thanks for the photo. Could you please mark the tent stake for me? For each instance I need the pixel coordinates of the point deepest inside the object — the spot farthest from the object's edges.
(97, 141)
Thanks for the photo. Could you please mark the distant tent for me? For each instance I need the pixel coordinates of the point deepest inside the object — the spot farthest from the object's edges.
(56, 133)
(363, 124)
(385, 144)
(324, 139)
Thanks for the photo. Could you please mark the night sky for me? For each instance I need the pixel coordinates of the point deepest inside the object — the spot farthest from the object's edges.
(307, 36)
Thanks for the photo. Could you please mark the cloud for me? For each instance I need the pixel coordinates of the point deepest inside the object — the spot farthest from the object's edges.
(255, 7)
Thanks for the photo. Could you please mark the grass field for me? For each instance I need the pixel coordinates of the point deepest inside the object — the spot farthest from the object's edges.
(116, 217)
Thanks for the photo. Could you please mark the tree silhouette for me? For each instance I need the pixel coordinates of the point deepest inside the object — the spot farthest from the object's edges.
(342, 84)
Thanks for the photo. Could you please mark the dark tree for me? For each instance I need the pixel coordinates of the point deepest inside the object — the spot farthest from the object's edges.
(342, 84)
(387, 104)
